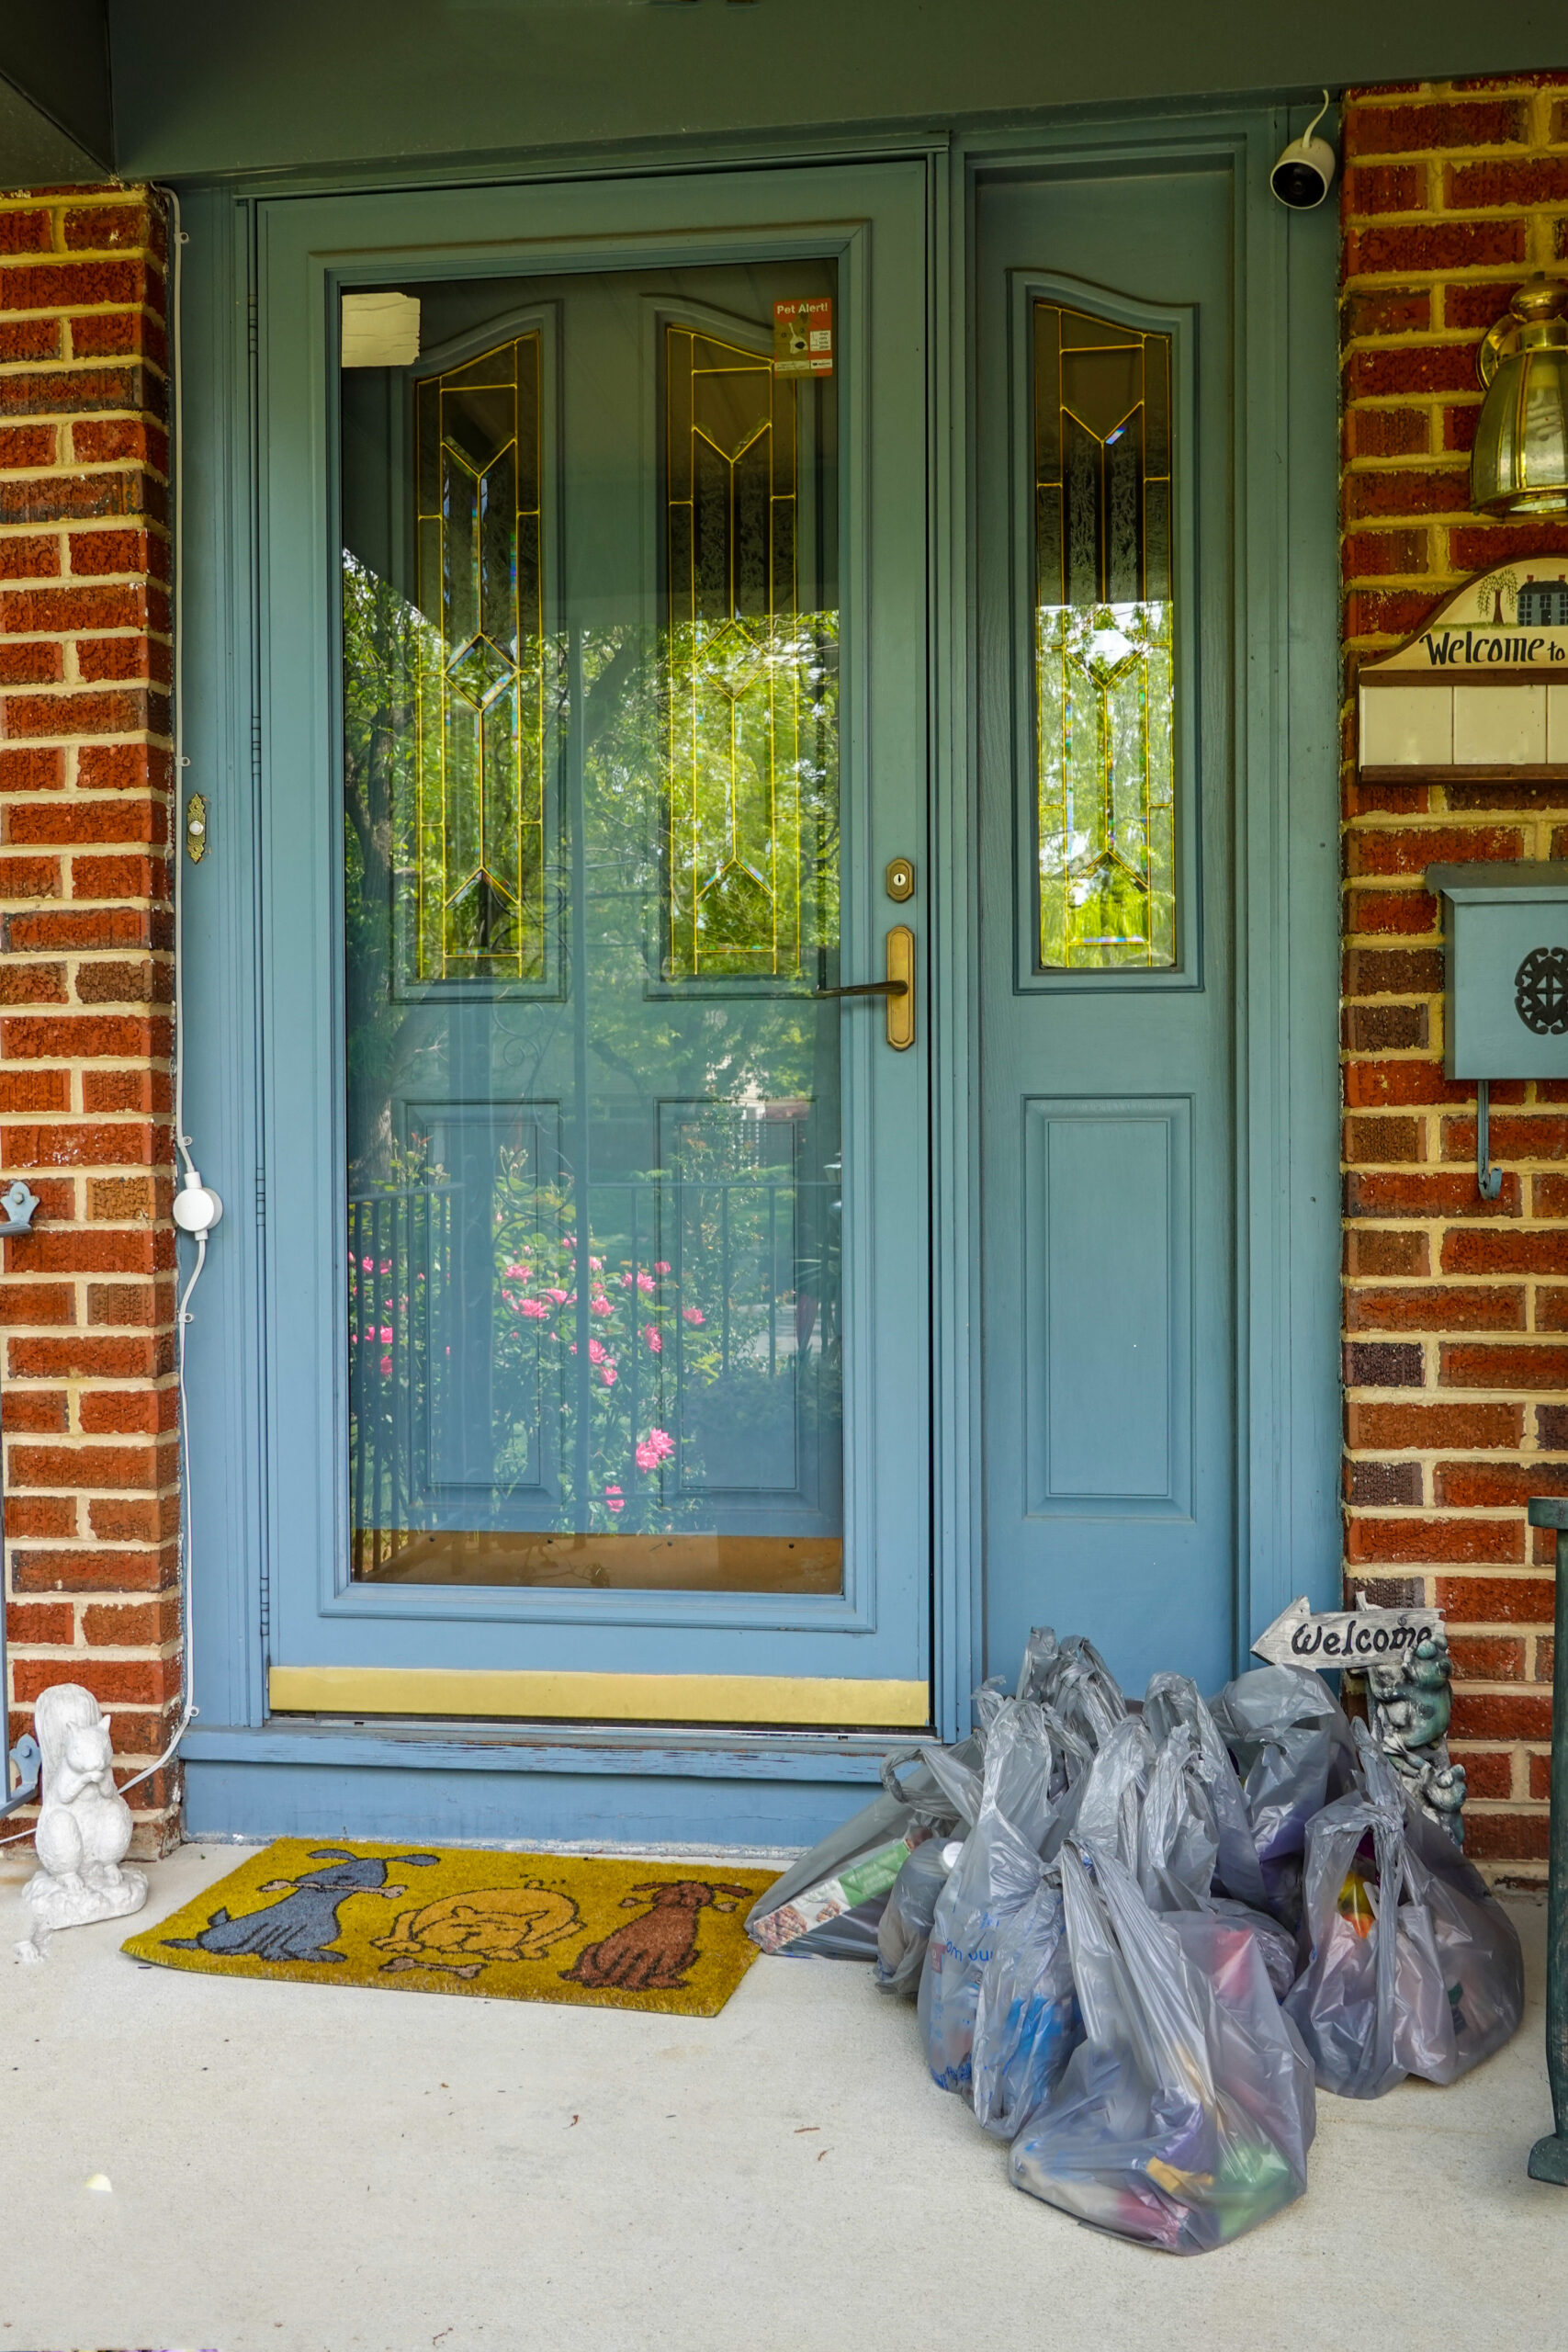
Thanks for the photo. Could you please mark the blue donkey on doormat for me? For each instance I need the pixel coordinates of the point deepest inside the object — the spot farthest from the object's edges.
(301, 1926)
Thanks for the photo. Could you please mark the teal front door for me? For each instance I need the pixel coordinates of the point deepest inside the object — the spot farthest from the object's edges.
(1105, 519)
(595, 779)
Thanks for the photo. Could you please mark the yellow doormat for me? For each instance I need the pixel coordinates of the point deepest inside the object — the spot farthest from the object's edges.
(622, 1935)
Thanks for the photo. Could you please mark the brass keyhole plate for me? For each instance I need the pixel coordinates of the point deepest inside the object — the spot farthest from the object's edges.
(900, 880)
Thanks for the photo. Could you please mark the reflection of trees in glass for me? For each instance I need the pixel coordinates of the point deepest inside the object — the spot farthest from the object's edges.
(608, 1404)
(1107, 822)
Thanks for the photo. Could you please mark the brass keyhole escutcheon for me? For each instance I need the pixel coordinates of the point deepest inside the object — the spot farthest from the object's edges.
(900, 879)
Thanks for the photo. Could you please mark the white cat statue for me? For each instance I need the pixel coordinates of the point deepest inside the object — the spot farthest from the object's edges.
(84, 1824)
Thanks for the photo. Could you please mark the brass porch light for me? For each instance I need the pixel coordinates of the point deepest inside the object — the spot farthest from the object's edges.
(1520, 462)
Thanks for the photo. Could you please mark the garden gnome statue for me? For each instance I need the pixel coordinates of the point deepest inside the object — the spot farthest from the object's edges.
(84, 1824)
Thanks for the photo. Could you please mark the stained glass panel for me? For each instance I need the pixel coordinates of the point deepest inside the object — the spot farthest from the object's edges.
(475, 833)
(748, 676)
(1105, 782)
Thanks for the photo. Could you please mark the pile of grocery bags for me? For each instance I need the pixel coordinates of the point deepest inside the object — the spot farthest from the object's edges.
(1143, 1934)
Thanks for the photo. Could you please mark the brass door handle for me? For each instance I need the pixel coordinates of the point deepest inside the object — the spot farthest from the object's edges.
(868, 987)
(898, 988)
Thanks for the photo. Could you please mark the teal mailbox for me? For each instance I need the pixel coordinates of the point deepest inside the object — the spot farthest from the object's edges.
(1506, 936)
(1506, 1001)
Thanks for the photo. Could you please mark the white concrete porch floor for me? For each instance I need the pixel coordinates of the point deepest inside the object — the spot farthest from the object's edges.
(297, 2169)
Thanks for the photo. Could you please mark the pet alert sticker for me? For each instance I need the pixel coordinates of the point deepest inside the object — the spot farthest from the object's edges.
(803, 336)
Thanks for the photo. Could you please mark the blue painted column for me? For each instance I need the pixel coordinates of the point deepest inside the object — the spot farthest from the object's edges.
(1549, 2157)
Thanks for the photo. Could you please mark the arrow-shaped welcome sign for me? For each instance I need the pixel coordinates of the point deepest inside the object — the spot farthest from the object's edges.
(1344, 1637)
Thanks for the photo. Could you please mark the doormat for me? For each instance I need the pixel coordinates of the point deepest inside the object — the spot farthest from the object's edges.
(618, 1935)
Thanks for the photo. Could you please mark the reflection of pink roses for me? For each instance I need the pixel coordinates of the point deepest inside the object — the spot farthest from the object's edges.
(613, 1498)
(595, 1350)
(386, 1335)
(656, 1344)
(662, 1265)
(534, 1306)
(655, 1448)
(608, 1376)
(386, 1367)
(600, 1306)
(693, 1315)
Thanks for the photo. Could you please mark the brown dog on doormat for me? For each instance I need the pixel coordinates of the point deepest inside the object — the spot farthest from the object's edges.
(654, 1953)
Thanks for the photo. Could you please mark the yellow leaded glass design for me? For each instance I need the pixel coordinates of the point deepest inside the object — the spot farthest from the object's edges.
(734, 662)
(479, 816)
(1104, 681)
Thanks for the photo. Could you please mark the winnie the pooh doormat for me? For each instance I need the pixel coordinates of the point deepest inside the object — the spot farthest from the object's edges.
(623, 1935)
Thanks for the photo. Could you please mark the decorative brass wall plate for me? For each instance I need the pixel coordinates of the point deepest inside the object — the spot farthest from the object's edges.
(900, 879)
(196, 828)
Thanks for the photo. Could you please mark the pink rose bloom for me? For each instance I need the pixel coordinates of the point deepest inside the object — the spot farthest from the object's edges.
(662, 1265)
(519, 1273)
(559, 1296)
(600, 1306)
(596, 1265)
(608, 1376)
(613, 1498)
(693, 1315)
(386, 1367)
(645, 1282)
(534, 1306)
(570, 1242)
(368, 1264)
(626, 1282)
(353, 1337)
(663, 1443)
(595, 1350)
(386, 1335)
(656, 1344)
(645, 1457)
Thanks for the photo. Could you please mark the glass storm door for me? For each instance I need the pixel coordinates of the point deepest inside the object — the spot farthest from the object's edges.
(601, 1385)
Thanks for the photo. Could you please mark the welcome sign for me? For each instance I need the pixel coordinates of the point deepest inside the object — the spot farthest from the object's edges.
(1340, 1638)
(1435, 701)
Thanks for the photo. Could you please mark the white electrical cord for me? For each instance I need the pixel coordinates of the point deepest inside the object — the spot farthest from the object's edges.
(197, 1209)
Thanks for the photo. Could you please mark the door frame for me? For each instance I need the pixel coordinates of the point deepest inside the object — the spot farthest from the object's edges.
(246, 1774)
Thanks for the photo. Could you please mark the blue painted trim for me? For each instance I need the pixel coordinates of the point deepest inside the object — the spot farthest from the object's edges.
(377, 1747)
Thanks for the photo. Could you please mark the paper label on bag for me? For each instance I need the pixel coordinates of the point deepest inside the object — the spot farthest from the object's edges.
(873, 1873)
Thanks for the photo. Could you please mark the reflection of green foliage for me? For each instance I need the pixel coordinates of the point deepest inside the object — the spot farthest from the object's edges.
(554, 1422)
(1107, 803)
(752, 721)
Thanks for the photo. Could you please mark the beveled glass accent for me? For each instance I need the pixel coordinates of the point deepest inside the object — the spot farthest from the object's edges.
(476, 833)
(1104, 685)
(743, 667)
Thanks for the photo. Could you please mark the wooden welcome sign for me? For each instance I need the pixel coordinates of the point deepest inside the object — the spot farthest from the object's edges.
(1484, 687)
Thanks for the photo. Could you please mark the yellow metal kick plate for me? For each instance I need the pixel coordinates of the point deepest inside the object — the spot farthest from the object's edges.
(802, 1701)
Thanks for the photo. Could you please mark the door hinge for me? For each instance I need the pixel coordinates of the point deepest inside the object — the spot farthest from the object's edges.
(251, 330)
(261, 1195)
(255, 747)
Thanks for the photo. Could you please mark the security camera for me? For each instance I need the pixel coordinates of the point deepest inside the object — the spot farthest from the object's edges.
(1304, 173)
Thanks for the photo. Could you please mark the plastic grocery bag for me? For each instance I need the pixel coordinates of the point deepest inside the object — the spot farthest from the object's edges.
(1413, 1967)
(904, 1930)
(1026, 2015)
(996, 1871)
(1073, 1679)
(1283, 1726)
(1185, 2115)
(1173, 1699)
(831, 1901)
(1476, 1968)
(1177, 1838)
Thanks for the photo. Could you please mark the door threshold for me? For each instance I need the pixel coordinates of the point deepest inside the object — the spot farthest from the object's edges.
(542, 1747)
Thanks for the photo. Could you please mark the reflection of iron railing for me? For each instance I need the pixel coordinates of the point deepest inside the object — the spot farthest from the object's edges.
(755, 1256)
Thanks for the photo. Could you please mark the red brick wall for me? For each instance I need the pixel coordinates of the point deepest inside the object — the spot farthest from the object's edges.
(87, 1403)
(1456, 1309)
